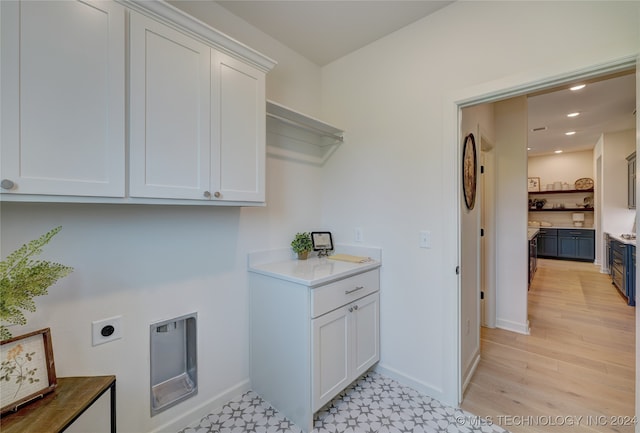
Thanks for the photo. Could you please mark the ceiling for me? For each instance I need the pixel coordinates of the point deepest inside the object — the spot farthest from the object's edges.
(324, 31)
(605, 105)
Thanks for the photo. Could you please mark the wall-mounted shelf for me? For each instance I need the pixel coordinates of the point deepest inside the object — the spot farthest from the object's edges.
(296, 136)
(567, 209)
(559, 191)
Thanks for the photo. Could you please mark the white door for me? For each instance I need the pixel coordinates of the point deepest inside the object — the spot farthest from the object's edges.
(330, 348)
(365, 325)
(170, 112)
(238, 130)
(63, 104)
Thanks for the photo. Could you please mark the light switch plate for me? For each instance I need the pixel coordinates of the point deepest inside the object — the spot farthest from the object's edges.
(425, 239)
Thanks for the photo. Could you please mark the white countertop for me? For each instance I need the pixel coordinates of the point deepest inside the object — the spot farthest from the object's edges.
(619, 238)
(314, 271)
(532, 231)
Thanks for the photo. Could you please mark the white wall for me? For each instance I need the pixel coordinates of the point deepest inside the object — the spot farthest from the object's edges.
(398, 170)
(395, 175)
(564, 167)
(617, 218)
(149, 263)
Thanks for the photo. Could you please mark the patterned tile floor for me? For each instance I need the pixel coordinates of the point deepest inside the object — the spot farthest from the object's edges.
(373, 404)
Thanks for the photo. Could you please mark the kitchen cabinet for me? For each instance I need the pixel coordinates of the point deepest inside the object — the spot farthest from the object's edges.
(631, 181)
(623, 264)
(196, 106)
(533, 256)
(197, 119)
(571, 244)
(576, 244)
(547, 243)
(314, 330)
(63, 98)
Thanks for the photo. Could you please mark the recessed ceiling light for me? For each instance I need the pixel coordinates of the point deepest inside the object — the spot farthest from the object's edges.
(570, 133)
(574, 114)
(557, 151)
(578, 87)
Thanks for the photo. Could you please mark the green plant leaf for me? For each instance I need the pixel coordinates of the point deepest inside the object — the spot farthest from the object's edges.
(22, 278)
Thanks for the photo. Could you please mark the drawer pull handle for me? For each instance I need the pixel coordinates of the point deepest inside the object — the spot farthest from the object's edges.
(346, 292)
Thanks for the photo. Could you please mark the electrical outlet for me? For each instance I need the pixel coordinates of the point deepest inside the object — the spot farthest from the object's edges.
(106, 330)
(359, 237)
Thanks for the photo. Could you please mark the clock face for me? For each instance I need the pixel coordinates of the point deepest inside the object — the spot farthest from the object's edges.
(469, 171)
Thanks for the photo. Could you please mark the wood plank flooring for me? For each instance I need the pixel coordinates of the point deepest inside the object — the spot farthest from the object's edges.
(575, 372)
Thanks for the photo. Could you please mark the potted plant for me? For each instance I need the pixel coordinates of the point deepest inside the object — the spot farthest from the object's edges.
(22, 278)
(302, 245)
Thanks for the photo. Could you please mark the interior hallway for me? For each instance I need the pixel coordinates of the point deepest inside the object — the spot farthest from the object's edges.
(579, 360)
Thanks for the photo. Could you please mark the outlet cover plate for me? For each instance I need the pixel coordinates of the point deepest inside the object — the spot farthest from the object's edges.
(106, 330)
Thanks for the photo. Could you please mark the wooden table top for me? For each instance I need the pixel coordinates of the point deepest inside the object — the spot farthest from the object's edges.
(56, 410)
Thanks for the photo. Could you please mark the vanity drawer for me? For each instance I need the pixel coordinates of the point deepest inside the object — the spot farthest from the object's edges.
(331, 296)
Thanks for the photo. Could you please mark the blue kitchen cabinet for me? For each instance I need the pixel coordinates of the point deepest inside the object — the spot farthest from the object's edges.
(576, 244)
(548, 243)
(623, 269)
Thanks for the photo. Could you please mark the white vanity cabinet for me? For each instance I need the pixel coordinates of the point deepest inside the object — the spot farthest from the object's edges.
(314, 330)
(63, 98)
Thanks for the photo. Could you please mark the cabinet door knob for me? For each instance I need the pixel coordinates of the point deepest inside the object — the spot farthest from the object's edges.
(350, 309)
(7, 184)
(207, 194)
(217, 194)
(355, 307)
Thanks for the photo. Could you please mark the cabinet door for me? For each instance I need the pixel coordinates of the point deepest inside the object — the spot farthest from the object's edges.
(548, 246)
(238, 130)
(63, 98)
(567, 247)
(170, 112)
(585, 248)
(331, 348)
(365, 325)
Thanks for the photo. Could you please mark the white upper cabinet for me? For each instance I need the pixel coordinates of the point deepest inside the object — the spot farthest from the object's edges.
(196, 106)
(238, 129)
(170, 101)
(63, 98)
(197, 119)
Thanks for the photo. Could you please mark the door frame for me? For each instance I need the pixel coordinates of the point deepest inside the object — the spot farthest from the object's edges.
(490, 92)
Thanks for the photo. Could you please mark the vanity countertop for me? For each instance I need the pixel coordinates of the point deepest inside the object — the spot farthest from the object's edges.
(314, 271)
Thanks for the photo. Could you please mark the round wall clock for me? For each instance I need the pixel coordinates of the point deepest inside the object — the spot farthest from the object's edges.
(469, 171)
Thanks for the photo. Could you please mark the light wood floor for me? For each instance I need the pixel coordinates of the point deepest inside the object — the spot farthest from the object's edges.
(579, 360)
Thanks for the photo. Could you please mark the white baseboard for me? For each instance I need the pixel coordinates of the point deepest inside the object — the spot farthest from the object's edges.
(520, 328)
(411, 382)
(469, 373)
(192, 417)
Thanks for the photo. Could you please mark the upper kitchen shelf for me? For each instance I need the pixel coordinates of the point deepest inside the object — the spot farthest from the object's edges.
(296, 136)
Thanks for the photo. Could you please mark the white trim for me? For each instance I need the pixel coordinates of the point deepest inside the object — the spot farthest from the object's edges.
(404, 379)
(170, 15)
(193, 417)
(493, 91)
(471, 371)
(508, 325)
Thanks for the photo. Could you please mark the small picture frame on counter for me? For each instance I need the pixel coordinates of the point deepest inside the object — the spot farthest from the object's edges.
(322, 241)
(533, 184)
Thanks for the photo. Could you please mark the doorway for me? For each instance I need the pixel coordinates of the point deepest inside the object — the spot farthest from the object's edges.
(520, 91)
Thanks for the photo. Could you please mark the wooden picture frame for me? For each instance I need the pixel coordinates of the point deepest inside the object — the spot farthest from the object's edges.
(469, 171)
(533, 184)
(27, 370)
